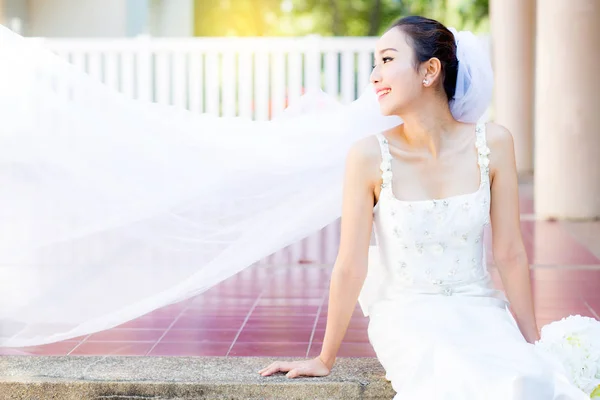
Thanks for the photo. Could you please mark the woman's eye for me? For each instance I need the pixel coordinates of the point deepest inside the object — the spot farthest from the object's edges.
(385, 60)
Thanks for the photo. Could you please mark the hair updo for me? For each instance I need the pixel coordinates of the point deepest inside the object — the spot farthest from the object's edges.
(429, 38)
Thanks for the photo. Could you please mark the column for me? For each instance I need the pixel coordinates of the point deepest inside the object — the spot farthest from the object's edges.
(513, 29)
(567, 113)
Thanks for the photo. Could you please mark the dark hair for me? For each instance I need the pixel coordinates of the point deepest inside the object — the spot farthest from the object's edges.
(429, 38)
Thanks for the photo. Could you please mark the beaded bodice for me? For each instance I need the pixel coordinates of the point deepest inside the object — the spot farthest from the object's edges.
(433, 246)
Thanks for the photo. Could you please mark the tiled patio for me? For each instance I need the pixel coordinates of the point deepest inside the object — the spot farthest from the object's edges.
(282, 310)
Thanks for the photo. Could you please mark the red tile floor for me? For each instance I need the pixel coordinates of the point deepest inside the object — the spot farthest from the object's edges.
(281, 311)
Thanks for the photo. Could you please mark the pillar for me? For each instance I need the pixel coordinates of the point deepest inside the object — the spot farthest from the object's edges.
(567, 110)
(513, 36)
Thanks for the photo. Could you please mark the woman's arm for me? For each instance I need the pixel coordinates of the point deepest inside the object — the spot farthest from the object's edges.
(509, 252)
(350, 269)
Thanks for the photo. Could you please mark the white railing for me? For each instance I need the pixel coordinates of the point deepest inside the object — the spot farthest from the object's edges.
(249, 77)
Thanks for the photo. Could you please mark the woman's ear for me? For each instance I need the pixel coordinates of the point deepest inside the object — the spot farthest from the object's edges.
(431, 70)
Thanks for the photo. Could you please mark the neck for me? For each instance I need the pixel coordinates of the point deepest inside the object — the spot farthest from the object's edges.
(426, 126)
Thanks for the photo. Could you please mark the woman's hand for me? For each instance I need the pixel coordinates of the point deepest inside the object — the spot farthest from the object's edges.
(314, 367)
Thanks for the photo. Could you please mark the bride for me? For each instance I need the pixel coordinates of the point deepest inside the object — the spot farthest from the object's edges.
(111, 208)
(430, 186)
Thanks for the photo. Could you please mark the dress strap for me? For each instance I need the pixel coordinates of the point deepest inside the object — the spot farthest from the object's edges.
(386, 162)
(483, 152)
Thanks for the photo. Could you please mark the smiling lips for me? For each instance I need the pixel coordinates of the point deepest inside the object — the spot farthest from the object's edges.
(382, 92)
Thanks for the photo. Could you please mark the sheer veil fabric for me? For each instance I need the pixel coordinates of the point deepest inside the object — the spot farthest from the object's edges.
(112, 207)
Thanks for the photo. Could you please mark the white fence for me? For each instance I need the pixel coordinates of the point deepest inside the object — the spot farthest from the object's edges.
(249, 77)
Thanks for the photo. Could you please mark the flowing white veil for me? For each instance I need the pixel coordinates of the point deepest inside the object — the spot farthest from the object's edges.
(111, 207)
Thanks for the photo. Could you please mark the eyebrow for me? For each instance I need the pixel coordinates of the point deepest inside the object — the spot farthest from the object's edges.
(386, 49)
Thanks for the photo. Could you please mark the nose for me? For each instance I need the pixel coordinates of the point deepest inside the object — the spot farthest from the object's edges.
(375, 76)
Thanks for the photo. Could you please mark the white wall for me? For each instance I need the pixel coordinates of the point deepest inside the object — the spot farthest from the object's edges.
(77, 18)
(99, 18)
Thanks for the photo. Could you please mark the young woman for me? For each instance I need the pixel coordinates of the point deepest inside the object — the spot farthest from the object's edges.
(430, 186)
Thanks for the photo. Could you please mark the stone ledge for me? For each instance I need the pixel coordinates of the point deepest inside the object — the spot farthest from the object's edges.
(181, 378)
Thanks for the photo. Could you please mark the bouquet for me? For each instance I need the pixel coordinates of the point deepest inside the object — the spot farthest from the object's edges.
(575, 343)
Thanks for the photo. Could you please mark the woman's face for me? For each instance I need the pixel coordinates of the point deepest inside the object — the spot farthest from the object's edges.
(394, 77)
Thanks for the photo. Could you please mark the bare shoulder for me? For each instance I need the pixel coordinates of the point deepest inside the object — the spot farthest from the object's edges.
(502, 151)
(365, 149)
(365, 152)
(499, 139)
(364, 157)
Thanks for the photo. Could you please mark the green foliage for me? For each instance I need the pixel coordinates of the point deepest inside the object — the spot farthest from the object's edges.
(328, 17)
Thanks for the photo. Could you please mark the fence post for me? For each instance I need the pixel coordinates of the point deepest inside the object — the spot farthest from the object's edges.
(313, 62)
(143, 68)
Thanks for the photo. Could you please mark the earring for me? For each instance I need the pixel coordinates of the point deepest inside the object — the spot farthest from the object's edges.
(425, 81)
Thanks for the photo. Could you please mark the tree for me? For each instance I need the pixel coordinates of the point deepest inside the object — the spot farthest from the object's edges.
(475, 14)
(346, 17)
(328, 17)
(372, 17)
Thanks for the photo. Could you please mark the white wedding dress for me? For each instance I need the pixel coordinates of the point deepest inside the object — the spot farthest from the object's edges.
(438, 326)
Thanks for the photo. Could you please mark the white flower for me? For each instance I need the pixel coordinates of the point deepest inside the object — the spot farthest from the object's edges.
(575, 343)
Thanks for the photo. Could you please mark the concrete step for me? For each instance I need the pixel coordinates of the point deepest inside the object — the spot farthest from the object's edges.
(181, 378)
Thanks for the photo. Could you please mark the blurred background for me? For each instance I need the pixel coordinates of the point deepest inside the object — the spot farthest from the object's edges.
(185, 18)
